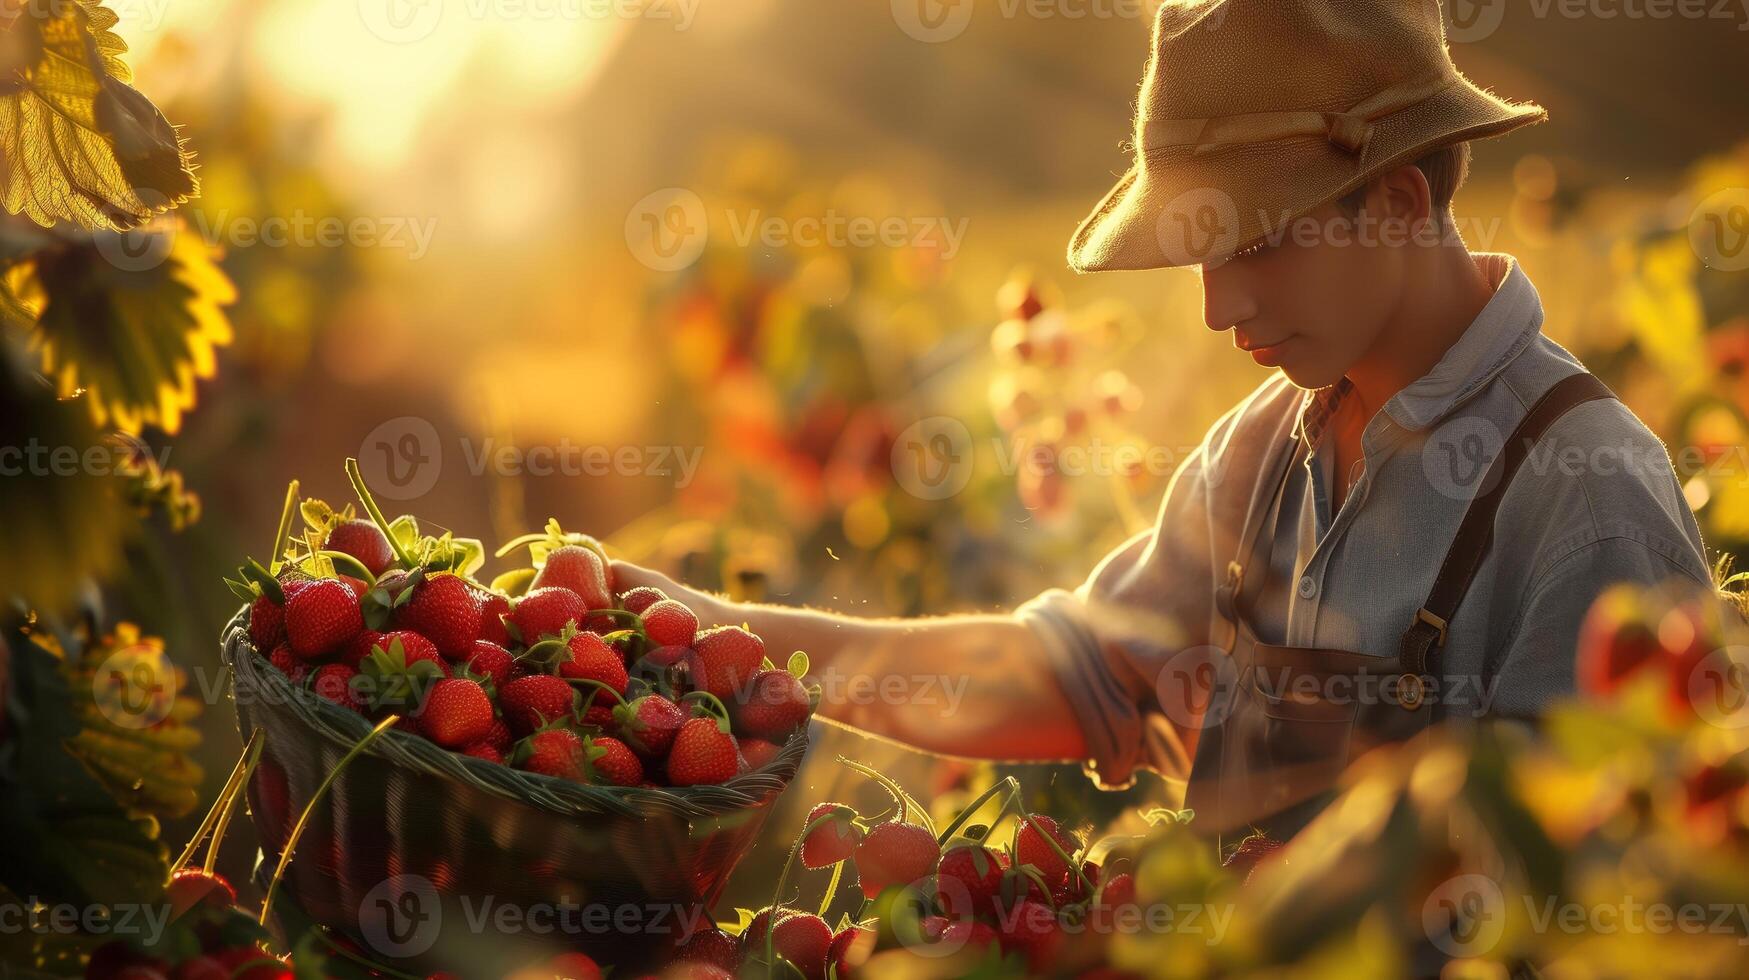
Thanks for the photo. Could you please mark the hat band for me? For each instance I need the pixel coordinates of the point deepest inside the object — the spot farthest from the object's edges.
(1349, 130)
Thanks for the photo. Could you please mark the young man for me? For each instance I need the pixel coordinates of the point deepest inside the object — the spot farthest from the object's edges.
(1404, 525)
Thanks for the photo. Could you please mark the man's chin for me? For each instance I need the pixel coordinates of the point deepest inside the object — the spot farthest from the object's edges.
(1311, 376)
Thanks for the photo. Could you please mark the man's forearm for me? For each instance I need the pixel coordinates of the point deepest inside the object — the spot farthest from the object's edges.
(976, 686)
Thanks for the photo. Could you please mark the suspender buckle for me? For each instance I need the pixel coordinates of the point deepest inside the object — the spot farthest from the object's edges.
(1423, 616)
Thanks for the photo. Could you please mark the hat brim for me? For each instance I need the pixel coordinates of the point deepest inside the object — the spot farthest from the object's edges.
(1179, 208)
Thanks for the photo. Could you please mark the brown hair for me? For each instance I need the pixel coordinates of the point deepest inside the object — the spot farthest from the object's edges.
(1445, 170)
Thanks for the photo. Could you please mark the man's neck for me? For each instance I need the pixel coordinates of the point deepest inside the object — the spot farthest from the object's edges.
(1447, 291)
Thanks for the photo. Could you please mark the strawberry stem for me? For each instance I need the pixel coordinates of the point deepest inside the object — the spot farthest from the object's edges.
(1008, 783)
(376, 514)
(291, 842)
(282, 536)
(618, 697)
(251, 757)
(713, 705)
(354, 566)
(831, 889)
(220, 805)
(783, 879)
(902, 798)
(1051, 839)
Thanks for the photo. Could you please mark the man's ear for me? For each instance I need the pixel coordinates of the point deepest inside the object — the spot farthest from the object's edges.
(1403, 197)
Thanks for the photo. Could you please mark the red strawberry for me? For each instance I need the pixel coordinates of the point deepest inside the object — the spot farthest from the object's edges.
(850, 949)
(664, 657)
(446, 611)
(668, 623)
(724, 659)
(532, 701)
(498, 736)
(573, 966)
(553, 752)
(493, 609)
(289, 663)
(959, 933)
(546, 612)
(358, 586)
(894, 854)
(702, 753)
(650, 723)
(363, 541)
(579, 569)
(612, 764)
(803, 940)
(484, 750)
(968, 880)
(593, 660)
(776, 705)
(600, 717)
(711, 946)
(361, 646)
(335, 682)
(413, 648)
(320, 617)
(267, 623)
(400, 671)
(1251, 852)
(491, 661)
(641, 598)
(1117, 892)
(193, 887)
(757, 752)
(831, 842)
(457, 712)
(1030, 847)
(1031, 929)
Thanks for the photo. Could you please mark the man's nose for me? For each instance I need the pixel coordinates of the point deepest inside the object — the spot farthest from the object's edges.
(1225, 301)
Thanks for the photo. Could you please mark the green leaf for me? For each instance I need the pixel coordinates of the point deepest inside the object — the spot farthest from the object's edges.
(798, 664)
(81, 146)
(83, 847)
(130, 338)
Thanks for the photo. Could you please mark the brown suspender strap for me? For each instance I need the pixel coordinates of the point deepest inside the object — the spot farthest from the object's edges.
(1476, 534)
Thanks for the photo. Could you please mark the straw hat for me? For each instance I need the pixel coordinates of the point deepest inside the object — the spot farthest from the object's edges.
(1255, 112)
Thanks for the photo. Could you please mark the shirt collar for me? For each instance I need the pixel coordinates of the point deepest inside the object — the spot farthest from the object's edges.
(1505, 327)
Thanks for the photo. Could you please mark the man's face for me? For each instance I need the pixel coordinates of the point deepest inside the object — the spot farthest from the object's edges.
(1314, 304)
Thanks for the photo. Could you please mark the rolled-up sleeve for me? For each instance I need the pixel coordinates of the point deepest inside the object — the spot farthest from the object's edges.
(1109, 639)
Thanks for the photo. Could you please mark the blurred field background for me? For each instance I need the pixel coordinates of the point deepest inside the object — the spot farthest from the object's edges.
(525, 143)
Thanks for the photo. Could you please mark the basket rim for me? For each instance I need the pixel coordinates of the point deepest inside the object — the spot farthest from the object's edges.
(344, 728)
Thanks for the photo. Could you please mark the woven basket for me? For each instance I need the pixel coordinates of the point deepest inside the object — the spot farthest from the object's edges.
(509, 864)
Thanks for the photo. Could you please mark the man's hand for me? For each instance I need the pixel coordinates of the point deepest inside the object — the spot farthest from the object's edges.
(711, 609)
(975, 686)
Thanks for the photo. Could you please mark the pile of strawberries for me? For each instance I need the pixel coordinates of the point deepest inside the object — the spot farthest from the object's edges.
(997, 903)
(567, 677)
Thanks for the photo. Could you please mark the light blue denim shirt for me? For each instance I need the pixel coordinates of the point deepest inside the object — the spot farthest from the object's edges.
(1596, 503)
